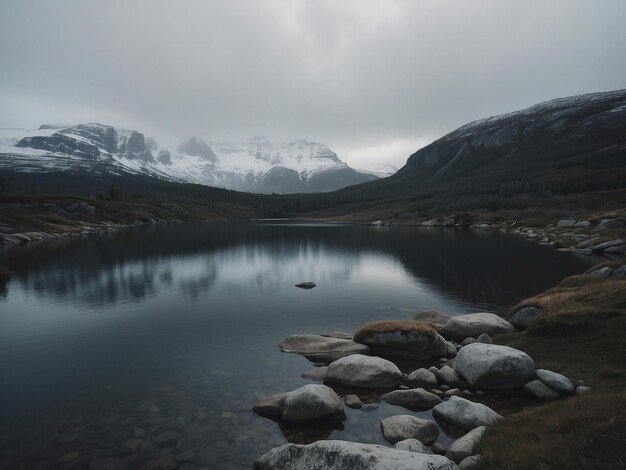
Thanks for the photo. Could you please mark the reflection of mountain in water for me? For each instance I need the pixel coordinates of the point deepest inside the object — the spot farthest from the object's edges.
(134, 264)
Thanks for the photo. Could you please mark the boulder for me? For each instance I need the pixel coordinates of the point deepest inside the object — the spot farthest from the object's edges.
(402, 338)
(319, 373)
(606, 224)
(306, 285)
(471, 462)
(447, 375)
(567, 222)
(451, 349)
(602, 272)
(400, 427)
(432, 316)
(465, 446)
(413, 445)
(421, 378)
(474, 324)
(600, 247)
(484, 338)
(556, 381)
(353, 401)
(465, 414)
(313, 402)
(414, 398)
(340, 455)
(319, 348)
(494, 367)
(524, 317)
(358, 370)
(540, 390)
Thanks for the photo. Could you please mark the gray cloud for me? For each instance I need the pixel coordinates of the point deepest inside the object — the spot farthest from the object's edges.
(371, 79)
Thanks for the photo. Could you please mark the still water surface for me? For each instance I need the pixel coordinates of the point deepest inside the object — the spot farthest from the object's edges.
(175, 328)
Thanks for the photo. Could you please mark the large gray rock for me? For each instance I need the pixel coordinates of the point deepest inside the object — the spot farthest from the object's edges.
(421, 378)
(343, 455)
(556, 381)
(465, 414)
(540, 390)
(494, 367)
(465, 446)
(400, 427)
(471, 462)
(312, 402)
(413, 445)
(524, 317)
(606, 224)
(414, 398)
(402, 338)
(447, 375)
(358, 370)
(319, 348)
(432, 316)
(472, 325)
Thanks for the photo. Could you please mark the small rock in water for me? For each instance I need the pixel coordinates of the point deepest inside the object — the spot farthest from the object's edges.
(353, 401)
(401, 427)
(306, 285)
(319, 373)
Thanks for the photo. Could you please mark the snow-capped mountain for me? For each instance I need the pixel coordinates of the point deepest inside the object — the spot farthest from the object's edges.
(256, 165)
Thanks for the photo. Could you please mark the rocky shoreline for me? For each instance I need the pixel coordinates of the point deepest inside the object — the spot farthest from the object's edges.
(459, 369)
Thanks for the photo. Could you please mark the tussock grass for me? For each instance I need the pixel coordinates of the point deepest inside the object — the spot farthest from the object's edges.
(387, 326)
(582, 432)
(582, 335)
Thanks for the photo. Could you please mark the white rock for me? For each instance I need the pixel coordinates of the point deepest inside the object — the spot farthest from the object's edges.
(472, 325)
(400, 427)
(556, 381)
(465, 446)
(312, 402)
(490, 366)
(358, 370)
(344, 455)
(464, 413)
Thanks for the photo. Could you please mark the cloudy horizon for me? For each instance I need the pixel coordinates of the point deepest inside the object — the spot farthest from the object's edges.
(372, 80)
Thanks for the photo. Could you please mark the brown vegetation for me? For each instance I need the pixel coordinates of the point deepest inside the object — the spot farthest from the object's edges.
(387, 326)
(582, 335)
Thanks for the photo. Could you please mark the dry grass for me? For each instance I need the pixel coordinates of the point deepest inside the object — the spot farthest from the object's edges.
(582, 432)
(582, 335)
(387, 326)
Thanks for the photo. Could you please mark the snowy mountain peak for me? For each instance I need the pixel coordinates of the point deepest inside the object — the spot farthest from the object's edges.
(255, 165)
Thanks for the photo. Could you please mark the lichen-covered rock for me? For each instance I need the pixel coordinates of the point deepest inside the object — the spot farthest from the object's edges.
(465, 414)
(494, 367)
(402, 338)
(342, 455)
(472, 325)
(362, 371)
(312, 402)
(414, 398)
(319, 348)
(400, 427)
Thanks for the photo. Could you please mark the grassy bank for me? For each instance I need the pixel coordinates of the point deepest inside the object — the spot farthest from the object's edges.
(582, 335)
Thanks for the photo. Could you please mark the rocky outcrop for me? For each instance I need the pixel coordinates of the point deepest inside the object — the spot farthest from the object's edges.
(415, 398)
(362, 371)
(319, 348)
(403, 338)
(312, 402)
(401, 427)
(494, 367)
(341, 455)
(198, 148)
(474, 324)
(465, 414)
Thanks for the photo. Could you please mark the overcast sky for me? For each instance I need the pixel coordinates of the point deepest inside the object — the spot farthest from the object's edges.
(373, 80)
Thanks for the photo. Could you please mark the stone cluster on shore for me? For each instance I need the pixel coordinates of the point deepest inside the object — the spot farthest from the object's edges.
(470, 368)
